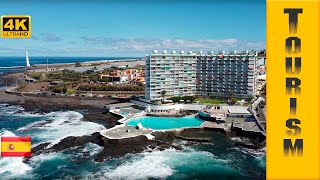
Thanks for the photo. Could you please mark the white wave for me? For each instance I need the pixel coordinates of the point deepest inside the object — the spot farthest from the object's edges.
(257, 153)
(92, 148)
(60, 125)
(3, 105)
(12, 167)
(236, 139)
(158, 164)
(36, 161)
(5, 132)
(146, 167)
(9, 110)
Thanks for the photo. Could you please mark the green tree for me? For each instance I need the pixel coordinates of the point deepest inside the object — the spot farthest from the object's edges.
(189, 98)
(176, 99)
(64, 89)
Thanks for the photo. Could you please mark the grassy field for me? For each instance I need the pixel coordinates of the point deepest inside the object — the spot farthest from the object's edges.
(71, 91)
(211, 101)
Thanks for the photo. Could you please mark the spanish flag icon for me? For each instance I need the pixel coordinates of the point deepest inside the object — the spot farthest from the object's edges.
(16, 146)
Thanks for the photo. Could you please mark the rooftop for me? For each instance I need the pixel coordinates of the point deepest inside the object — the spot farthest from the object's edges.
(236, 109)
(198, 53)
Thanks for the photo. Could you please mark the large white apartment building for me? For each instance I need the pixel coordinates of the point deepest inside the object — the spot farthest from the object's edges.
(174, 73)
(194, 73)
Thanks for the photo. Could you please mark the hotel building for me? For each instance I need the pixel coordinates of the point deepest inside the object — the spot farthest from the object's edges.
(173, 73)
(189, 74)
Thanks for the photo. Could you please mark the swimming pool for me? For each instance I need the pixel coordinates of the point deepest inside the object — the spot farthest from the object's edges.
(162, 123)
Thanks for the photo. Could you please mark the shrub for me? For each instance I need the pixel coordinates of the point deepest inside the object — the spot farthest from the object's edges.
(176, 99)
(189, 98)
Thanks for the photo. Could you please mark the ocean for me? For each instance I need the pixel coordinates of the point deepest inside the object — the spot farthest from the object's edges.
(219, 160)
(7, 63)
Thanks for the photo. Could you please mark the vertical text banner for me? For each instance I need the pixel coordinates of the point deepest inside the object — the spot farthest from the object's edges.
(293, 80)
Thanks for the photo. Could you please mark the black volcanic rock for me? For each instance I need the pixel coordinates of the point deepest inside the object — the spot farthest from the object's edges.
(108, 120)
(112, 148)
(39, 149)
(68, 142)
(120, 147)
(167, 136)
(72, 141)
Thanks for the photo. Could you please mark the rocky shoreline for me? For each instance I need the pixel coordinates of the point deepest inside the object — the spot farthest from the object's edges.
(116, 148)
(93, 111)
(112, 148)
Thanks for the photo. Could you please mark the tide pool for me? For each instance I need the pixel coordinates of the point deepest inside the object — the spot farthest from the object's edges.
(161, 123)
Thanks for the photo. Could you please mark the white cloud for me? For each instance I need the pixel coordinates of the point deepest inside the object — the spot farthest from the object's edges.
(147, 45)
(95, 46)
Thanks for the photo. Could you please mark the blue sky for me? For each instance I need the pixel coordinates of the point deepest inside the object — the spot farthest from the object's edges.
(124, 28)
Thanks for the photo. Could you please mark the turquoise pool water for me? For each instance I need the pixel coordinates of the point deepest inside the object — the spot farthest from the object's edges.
(161, 123)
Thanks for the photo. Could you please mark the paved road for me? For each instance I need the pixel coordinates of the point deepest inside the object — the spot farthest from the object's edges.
(254, 113)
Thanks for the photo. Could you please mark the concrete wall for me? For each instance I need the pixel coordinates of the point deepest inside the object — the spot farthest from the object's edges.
(170, 106)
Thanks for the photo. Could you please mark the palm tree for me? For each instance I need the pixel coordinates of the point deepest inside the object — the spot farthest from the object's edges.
(163, 94)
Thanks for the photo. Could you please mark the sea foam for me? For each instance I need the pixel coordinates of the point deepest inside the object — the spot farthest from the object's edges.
(9, 110)
(152, 165)
(161, 164)
(59, 125)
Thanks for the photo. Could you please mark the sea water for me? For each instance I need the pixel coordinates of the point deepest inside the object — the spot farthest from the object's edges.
(7, 62)
(216, 160)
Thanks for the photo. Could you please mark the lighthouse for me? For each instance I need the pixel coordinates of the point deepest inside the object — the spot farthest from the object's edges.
(27, 60)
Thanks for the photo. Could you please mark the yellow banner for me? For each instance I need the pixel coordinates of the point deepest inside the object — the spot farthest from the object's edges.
(16, 147)
(293, 71)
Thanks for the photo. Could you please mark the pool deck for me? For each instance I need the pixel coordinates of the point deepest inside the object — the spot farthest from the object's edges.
(208, 124)
(124, 131)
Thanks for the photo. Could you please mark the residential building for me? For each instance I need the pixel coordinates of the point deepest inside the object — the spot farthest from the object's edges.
(138, 79)
(189, 74)
(225, 75)
(174, 73)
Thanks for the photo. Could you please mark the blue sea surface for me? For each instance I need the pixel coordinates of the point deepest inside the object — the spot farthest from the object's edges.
(218, 160)
(6, 62)
(162, 123)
